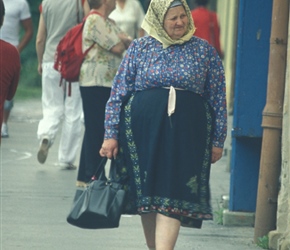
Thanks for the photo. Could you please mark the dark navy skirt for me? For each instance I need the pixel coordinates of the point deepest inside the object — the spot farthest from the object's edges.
(165, 161)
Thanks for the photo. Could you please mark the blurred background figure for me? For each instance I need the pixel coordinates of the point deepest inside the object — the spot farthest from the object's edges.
(58, 108)
(17, 15)
(10, 68)
(97, 73)
(129, 15)
(207, 26)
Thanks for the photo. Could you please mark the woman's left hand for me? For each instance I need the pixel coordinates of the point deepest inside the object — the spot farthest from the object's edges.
(216, 154)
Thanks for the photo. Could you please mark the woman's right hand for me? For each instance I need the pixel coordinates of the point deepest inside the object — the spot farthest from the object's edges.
(109, 148)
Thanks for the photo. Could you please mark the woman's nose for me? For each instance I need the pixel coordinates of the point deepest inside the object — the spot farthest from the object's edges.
(179, 21)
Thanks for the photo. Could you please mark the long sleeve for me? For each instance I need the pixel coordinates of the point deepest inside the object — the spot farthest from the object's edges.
(215, 93)
(122, 88)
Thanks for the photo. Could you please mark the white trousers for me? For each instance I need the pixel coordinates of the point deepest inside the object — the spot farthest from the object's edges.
(58, 107)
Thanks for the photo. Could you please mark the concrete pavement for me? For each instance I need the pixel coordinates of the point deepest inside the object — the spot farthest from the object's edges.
(35, 200)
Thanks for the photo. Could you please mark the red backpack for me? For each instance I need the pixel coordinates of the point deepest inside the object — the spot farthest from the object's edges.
(69, 55)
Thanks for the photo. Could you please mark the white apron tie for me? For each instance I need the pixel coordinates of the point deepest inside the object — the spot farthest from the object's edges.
(171, 100)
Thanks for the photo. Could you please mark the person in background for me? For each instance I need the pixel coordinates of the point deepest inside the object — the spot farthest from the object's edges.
(207, 26)
(96, 77)
(9, 68)
(129, 15)
(17, 15)
(56, 18)
(166, 123)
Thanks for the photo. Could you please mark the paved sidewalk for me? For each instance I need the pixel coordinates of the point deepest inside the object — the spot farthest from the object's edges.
(35, 200)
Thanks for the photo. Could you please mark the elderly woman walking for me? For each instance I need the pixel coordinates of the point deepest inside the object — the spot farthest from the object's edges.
(166, 122)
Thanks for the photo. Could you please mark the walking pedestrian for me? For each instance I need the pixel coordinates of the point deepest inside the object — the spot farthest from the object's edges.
(17, 14)
(56, 18)
(165, 123)
(9, 68)
(129, 15)
(97, 73)
(206, 23)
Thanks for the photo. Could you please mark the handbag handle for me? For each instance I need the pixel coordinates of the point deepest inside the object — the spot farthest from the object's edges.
(100, 171)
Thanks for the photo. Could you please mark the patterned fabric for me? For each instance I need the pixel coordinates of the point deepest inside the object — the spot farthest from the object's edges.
(100, 65)
(154, 18)
(160, 173)
(193, 66)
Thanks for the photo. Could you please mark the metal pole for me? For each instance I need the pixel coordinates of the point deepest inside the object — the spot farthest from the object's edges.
(270, 163)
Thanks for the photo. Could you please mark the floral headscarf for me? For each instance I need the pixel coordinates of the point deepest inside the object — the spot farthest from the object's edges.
(153, 22)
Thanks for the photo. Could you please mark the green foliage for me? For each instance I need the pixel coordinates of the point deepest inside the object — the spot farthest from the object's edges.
(29, 75)
(263, 242)
(26, 92)
(219, 214)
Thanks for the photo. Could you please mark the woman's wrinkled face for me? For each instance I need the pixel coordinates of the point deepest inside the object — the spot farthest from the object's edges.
(176, 22)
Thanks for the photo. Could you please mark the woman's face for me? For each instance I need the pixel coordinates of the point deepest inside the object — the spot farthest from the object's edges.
(176, 22)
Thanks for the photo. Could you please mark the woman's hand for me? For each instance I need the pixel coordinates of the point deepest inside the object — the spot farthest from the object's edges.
(120, 47)
(109, 148)
(216, 154)
(125, 39)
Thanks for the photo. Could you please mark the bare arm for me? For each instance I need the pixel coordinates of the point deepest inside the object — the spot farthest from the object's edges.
(86, 8)
(40, 42)
(120, 47)
(28, 32)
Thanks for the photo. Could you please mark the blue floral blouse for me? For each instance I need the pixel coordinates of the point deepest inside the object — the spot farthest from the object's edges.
(193, 66)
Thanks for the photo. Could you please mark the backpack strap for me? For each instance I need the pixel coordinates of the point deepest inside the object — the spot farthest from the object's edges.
(69, 84)
(88, 49)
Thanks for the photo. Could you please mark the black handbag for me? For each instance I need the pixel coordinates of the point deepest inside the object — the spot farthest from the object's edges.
(100, 205)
